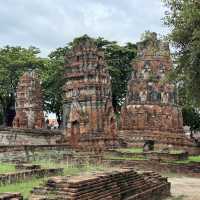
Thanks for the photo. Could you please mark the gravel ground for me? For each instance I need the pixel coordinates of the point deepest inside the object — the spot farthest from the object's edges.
(185, 188)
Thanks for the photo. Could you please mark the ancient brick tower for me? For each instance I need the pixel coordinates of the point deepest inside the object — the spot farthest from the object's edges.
(151, 112)
(88, 111)
(29, 104)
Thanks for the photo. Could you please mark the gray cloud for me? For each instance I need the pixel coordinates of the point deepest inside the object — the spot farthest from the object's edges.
(48, 24)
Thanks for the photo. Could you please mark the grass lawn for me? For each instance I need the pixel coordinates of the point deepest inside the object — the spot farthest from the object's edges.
(111, 157)
(24, 187)
(6, 168)
(190, 159)
(194, 158)
(70, 169)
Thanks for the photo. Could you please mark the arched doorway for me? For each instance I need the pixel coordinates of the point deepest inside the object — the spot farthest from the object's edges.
(75, 133)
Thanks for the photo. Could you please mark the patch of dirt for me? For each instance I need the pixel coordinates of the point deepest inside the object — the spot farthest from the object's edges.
(185, 188)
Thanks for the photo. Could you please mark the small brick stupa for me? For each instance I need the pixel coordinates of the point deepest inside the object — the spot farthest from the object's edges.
(151, 112)
(29, 103)
(88, 113)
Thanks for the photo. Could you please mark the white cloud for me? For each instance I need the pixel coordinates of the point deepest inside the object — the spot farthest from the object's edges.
(48, 24)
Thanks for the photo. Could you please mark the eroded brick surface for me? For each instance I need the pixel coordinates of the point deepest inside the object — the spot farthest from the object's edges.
(29, 104)
(122, 184)
(88, 111)
(151, 111)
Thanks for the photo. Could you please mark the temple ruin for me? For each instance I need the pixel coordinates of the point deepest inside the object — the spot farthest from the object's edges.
(151, 113)
(29, 103)
(88, 112)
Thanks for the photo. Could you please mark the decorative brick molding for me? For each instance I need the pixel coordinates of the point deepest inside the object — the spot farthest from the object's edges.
(151, 111)
(88, 110)
(29, 102)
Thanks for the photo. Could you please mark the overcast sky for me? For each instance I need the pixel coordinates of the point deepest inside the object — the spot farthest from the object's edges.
(48, 24)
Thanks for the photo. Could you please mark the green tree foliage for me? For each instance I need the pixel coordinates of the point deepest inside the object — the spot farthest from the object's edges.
(16, 60)
(13, 62)
(52, 82)
(118, 59)
(183, 17)
(191, 118)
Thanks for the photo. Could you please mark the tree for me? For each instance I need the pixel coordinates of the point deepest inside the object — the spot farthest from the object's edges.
(52, 82)
(13, 62)
(118, 59)
(191, 118)
(183, 17)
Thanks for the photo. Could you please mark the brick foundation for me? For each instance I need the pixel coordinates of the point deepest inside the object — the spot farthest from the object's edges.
(10, 196)
(16, 136)
(15, 177)
(118, 185)
(186, 169)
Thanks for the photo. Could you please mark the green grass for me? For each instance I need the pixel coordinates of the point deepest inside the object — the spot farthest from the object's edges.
(194, 158)
(6, 168)
(175, 151)
(190, 159)
(24, 187)
(70, 169)
(110, 157)
(131, 150)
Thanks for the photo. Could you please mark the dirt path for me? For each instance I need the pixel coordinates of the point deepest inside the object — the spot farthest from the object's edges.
(185, 188)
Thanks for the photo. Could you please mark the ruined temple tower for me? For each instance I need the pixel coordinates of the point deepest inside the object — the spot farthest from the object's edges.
(151, 112)
(88, 111)
(29, 103)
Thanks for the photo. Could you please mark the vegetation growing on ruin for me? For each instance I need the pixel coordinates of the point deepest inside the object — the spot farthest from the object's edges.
(131, 150)
(69, 169)
(6, 168)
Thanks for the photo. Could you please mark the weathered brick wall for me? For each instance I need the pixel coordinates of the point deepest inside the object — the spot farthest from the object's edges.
(162, 140)
(88, 100)
(20, 153)
(119, 185)
(29, 102)
(10, 196)
(15, 177)
(160, 156)
(12, 136)
(190, 169)
(150, 111)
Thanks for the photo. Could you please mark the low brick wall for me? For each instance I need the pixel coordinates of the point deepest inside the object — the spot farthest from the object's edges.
(20, 153)
(10, 196)
(14, 136)
(190, 169)
(160, 156)
(166, 156)
(177, 141)
(119, 185)
(15, 177)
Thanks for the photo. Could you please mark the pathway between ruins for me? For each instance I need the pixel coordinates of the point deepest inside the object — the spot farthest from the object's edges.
(185, 185)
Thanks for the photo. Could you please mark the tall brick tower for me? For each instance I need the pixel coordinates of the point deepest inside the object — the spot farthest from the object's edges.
(151, 112)
(29, 102)
(88, 111)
